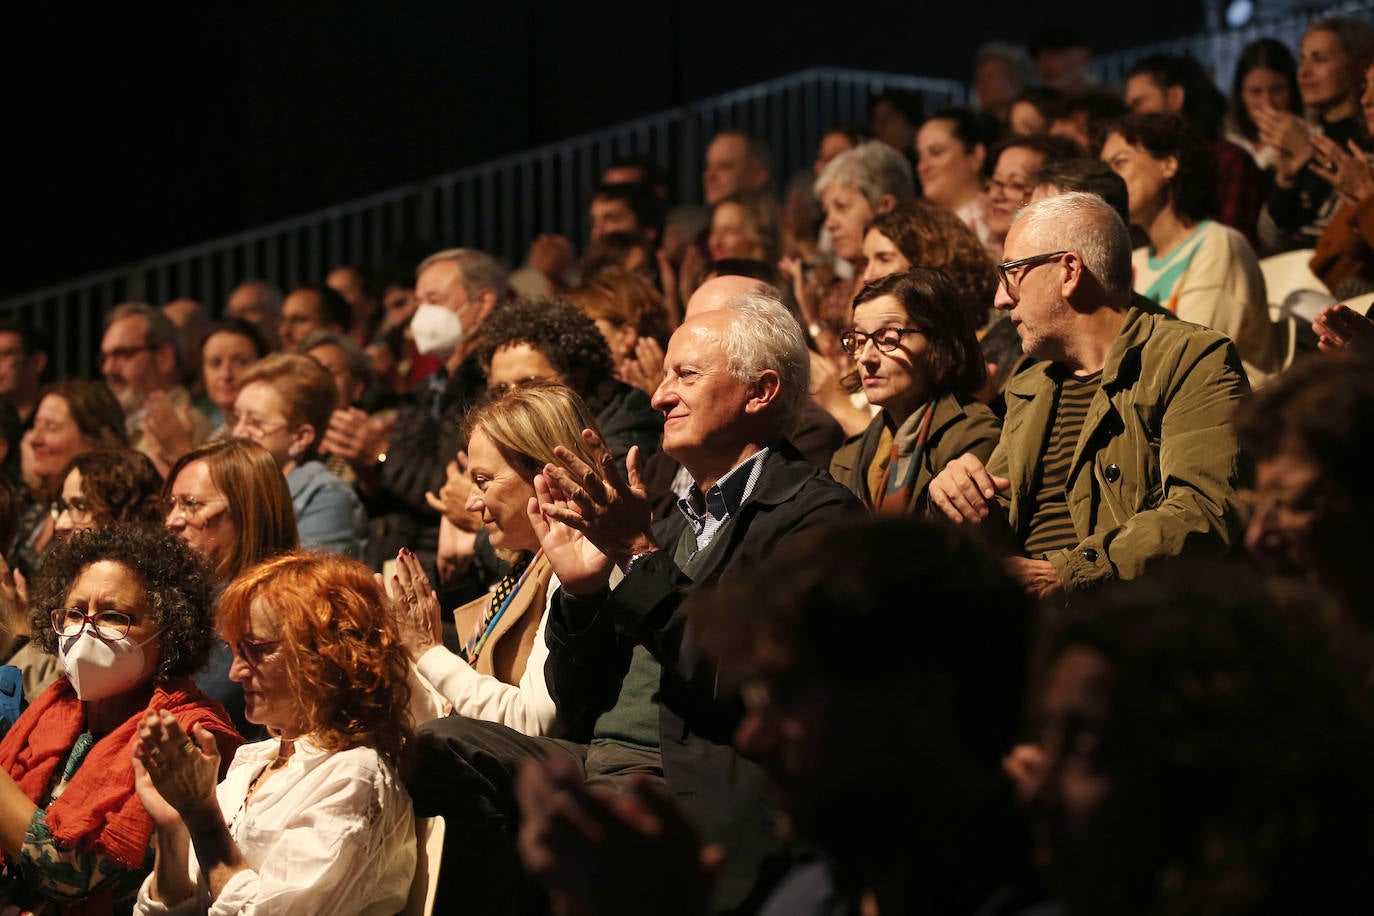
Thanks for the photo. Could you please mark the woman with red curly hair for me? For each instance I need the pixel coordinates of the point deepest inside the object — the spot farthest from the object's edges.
(315, 819)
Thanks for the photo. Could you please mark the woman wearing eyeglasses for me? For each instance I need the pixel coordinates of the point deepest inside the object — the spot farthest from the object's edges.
(128, 610)
(917, 353)
(284, 404)
(230, 503)
(315, 819)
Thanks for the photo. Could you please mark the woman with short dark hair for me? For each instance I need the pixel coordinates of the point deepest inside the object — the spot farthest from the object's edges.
(918, 359)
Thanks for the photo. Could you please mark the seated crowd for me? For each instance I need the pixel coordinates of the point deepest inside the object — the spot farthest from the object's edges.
(956, 533)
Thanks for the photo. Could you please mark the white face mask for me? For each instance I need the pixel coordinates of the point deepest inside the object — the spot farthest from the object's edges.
(437, 331)
(98, 668)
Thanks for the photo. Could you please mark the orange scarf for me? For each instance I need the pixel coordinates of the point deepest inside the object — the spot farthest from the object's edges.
(99, 806)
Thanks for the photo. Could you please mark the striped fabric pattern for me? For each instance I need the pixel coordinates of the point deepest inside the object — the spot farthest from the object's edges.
(1051, 526)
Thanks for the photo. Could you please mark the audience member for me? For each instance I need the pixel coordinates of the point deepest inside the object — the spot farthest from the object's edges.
(1207, 748)
(1116, 452)
(1092, 176)
(1080, 116)
(23, 359)
(1001, 73)
(1200, 270)
(627, 310)
(356, 285)
(745, 225)
(893, 116)
(457, 289)
(1034, 111)
(735, 162)
(497, 674)
(1266, 78)
(1015, 160)
(918, 358)
(231, 346)
(284, 404)
(140, 358)
(1301, 203)
(1178, 84)
(113, 486)
(627, 208)
(315, 818)
(1309, 515)
(72, 418)
(312, 308)
(259, 302)
(229, 501)
(951, 151)
(128, 610)
(1344, 258)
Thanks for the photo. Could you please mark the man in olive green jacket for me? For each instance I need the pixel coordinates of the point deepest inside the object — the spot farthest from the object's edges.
(1150, 468)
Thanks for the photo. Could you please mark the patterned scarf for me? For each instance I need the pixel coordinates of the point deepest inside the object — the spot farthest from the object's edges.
(908, 444)
(500, 599)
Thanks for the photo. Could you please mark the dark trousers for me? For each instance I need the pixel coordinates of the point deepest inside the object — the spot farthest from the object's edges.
(465, 772)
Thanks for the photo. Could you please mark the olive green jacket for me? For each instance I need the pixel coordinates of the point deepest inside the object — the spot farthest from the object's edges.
(1157, 461)
(959, 426)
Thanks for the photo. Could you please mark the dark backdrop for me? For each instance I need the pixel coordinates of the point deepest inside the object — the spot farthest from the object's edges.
(137, 130)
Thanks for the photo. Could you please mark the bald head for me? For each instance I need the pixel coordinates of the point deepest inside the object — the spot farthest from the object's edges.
(713, 294)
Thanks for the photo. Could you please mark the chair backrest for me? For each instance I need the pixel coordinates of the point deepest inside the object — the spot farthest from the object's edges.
(1286, 273)
(429, 852)
(1359, 304)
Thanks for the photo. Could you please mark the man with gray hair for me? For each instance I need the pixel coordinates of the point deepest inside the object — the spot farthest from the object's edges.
(396, 466)
(1118, 450)
(623, 665)
(141, 359)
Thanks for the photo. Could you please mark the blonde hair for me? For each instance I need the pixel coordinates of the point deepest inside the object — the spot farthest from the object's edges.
(527, 423)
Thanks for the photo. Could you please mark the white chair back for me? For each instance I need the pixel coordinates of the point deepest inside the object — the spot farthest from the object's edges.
(429, 852)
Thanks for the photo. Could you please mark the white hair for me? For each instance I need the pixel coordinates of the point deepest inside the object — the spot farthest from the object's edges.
(480, 270)
(1084, 223)
(764, 335)
(873, 169)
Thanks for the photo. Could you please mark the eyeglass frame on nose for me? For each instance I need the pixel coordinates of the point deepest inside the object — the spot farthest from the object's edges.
(251, 651)
(72, 508)
(254, 426)
(123, 354)
(189, 509)
(1024, 265)
(853, 340)
(89, 622)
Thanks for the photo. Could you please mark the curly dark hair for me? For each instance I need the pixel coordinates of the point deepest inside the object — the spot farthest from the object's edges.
(932, 305)
(120, 485)
(1237, 739)
(1192, 189)
(174, 576)
(346, 663)
(554, 328)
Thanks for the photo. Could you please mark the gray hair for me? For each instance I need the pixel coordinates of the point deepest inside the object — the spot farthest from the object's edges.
(1087, 224)
(764, 335)
(874, 169)
(358, 365)
(159, 330)
(480, 270)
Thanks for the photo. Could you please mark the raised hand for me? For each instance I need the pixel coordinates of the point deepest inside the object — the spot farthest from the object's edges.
(354, 437)
(415, 606)
(581, 568)
(452, 500)
(182, 770)
(963, 489)
(1347, 170)
(612, 512)
(1340, 328)
(644, 370)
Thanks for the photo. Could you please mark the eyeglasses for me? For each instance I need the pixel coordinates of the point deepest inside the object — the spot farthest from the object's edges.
(885, 339)
(77, 508)
(1011, 273)
(70, 621)
(1011, 189)
(254, 653)
(122, 354)
(255, 426)
(188, 507)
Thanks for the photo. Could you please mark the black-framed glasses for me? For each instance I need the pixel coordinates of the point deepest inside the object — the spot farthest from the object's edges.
(1012, 272)
(885, 339)
(255, 652)
(76, 507)
(70, 621)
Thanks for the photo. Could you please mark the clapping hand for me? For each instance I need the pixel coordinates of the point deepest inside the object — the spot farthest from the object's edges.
(415, 606)
(175, 774)
(1347, 171)
(612, 512)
